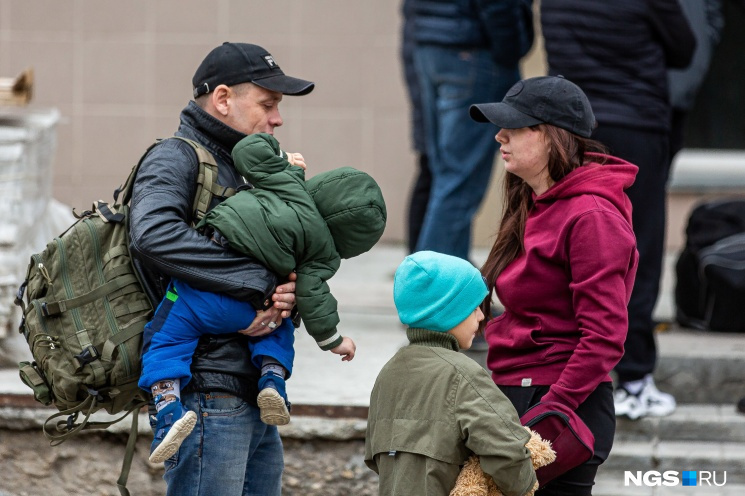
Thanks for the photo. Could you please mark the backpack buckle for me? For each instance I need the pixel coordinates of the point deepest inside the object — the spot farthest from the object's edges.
(70, 424)
(19, 295)
(89, 354)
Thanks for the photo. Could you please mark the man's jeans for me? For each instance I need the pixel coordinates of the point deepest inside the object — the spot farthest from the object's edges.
(460, 150)
(230, 452)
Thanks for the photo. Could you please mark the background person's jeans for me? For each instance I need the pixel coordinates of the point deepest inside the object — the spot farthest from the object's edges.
(460, 150)
(230, 452)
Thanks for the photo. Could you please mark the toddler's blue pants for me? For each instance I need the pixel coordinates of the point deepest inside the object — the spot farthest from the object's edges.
(185, 314)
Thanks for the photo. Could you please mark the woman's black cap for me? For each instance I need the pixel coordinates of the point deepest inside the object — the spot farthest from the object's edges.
(540, 100)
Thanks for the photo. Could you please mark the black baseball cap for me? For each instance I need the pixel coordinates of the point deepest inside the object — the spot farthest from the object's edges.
(540, 100)
(235, 63)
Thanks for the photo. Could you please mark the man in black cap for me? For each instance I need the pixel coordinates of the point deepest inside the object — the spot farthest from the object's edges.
(237, 91)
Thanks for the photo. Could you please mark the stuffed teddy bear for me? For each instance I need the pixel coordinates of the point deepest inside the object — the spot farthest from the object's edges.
(472, 481)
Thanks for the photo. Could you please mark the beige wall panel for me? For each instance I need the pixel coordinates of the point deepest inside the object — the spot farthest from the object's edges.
(116, 72)
(175, 64)
(53, 65)
(336, 141)
(113, 144)
(40, 15)
(186, 17)
(114, 19)
(387, 84)
(393, 167)
(252, 19)
(64, 162)
(342, 79)
(343, 18)
(486, 221)
(166, 125)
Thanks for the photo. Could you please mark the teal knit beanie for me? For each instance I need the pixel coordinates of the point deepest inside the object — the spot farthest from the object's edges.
(435, 291)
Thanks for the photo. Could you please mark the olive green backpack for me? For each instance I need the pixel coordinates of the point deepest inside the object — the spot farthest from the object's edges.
(84, 314)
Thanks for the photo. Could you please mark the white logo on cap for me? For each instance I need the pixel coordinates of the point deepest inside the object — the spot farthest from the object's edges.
(270, 61)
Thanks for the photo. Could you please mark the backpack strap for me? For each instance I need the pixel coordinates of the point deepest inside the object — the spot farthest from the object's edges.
(129, 453)
(207, 177)
(207, 185)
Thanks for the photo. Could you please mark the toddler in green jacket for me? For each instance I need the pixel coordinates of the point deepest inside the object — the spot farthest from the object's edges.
(432, 407)
(287, 224)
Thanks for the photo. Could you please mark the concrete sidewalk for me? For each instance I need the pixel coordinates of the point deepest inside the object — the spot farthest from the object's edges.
(364, 289)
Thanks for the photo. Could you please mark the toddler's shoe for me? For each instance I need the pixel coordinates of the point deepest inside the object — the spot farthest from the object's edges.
(173, 423)
(272, 400)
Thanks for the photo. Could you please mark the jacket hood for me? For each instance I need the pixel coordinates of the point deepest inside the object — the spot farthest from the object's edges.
(352, 205)
(605, 176)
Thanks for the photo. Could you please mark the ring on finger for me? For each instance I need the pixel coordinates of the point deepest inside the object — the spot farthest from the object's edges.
(263, 323)
(272, 325)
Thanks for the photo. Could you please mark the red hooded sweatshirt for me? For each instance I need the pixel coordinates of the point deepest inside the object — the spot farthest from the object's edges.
(565, 296)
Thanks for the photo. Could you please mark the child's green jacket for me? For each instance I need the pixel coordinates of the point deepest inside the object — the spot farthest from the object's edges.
(430, 409)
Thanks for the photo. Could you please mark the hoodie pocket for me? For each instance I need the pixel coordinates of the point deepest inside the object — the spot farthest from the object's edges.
(513, 344)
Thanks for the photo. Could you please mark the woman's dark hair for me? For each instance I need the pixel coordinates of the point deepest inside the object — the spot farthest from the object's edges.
(566, 153)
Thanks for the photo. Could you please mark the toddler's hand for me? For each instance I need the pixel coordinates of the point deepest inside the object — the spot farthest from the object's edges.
(346, 349)
(296, 159)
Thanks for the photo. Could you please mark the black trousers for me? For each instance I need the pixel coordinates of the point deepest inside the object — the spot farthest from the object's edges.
(418, 201)
(598, 413)
(650, 152)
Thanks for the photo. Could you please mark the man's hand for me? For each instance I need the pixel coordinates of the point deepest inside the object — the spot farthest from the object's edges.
(271, 318)
(346, 349)
(264, 323)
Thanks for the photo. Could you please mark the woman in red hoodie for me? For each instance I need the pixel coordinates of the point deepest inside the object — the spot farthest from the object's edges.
(563, 263)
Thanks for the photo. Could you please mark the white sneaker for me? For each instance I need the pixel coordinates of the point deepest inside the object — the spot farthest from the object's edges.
(657, 403)
(627, 404)
(649, 402)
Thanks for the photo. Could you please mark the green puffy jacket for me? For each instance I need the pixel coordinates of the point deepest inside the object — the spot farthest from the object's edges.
(430, 409)
(289, 224)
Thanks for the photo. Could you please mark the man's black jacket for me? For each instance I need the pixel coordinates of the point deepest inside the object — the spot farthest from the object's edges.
(164, 245)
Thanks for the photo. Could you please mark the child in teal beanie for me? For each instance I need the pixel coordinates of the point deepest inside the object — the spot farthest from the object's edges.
(433, 407)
